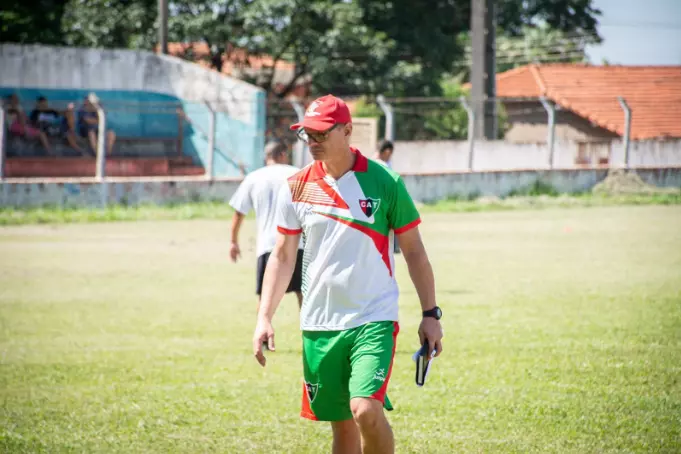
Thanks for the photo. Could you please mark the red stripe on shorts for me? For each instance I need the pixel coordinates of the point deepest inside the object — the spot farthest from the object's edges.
(380, 394)
(306, 411)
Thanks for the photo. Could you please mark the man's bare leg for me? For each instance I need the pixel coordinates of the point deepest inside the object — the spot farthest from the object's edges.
(346, 438)
(92, 138)
(73, 143)
(377, 436)
(110, 139)
(42, 137)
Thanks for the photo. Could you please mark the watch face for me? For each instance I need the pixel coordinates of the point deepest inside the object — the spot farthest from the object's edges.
(438, 311)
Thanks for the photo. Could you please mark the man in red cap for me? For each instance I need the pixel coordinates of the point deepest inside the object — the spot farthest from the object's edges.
(345, 206)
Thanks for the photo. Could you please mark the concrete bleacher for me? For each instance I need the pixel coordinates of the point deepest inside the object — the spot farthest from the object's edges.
(159, 107)
(57, 167)
(149, 142)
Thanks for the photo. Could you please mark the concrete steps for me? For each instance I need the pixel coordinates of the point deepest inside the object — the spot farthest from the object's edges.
(55, 167)
(157, 147)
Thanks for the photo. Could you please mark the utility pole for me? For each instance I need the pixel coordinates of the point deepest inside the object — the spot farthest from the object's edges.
(483, 68)
(163, 26)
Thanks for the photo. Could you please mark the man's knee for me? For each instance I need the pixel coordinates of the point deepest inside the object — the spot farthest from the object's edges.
(366, 412)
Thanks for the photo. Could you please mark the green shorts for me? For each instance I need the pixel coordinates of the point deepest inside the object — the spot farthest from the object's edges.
(340, 365)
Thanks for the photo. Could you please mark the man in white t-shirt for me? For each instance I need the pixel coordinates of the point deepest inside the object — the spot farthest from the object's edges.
(260, 191)
(385, 152)
(383, 156)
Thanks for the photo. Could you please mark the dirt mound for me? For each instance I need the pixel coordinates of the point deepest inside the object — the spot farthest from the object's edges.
(621, 181)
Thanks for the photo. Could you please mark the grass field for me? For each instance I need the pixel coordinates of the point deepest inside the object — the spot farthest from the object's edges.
(563, 334)
(222, 211)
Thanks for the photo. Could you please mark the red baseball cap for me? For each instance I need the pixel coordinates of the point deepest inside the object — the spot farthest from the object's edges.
(323, 113)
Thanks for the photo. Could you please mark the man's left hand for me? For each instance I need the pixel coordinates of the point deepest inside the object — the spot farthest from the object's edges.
(431, 329)
(234, 252)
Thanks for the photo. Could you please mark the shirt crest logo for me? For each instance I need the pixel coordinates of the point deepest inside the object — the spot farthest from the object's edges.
(369, 206)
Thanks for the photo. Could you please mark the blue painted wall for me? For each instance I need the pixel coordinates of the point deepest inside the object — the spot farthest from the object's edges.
(153, 115)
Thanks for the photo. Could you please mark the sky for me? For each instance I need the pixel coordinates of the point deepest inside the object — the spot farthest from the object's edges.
(638, 32)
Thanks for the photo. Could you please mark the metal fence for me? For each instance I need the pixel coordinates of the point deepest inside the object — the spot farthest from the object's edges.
(206, 135)
(522, 121)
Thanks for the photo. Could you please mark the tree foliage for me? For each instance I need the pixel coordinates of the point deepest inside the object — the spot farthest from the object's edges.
(398, 47)
(110, 24)
(31, 21)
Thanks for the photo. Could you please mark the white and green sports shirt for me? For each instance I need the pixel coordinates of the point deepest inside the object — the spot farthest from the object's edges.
(348, 266)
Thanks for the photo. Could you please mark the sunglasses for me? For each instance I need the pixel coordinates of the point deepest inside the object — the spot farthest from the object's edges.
(317, 137)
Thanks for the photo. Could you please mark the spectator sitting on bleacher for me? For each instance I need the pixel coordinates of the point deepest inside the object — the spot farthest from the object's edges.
(88, 125)
(54, 123)
(18, 124)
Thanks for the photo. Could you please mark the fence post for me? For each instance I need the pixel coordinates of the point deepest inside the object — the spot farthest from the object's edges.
(2, 143)
(210, 158)
(550, 139)
(180, 132)
(299, 148)
(471, 130)
(387, 109)
(101, 139)
(627, 129)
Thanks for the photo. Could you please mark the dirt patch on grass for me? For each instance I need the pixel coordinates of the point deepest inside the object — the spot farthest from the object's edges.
(621, 181)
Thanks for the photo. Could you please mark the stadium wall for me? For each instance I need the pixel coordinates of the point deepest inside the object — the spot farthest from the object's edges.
(140, 91)
(452, 156)
(424, 188)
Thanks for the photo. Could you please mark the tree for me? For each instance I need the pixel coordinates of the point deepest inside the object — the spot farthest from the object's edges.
(451, 123)
(565, 15)
(218, 24)
(325, 39)
(399, 48)
(537, 44)
(443, 120)
(110, 23)
(31, 21)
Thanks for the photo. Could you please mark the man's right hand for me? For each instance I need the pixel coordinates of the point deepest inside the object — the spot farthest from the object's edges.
(234, 252)
(263, 333)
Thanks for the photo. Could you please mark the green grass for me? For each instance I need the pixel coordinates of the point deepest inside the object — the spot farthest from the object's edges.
(562, 335)
(57, 215)
(543, 201)
(535, 197)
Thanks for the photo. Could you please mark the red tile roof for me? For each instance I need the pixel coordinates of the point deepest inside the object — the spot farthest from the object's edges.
(233, 58)
(238, 60)
(652, 92)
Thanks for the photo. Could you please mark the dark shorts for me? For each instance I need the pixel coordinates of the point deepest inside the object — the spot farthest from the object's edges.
(85, 129)
(296, 279)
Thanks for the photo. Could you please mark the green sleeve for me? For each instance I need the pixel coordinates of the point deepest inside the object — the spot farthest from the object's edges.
(402, 214)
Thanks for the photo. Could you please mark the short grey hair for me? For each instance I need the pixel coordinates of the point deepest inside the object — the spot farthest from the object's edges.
(275, 149)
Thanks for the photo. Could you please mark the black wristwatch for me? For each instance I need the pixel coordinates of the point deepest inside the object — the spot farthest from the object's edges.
(435, 312)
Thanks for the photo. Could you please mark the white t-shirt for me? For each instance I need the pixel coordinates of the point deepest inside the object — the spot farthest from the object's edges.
(260, 191)
(383, 163)
(348, 264)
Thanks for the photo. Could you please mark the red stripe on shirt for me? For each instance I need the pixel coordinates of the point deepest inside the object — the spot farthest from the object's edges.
(380, 241)
(340, 203)
(286, 231)
(409, 226)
